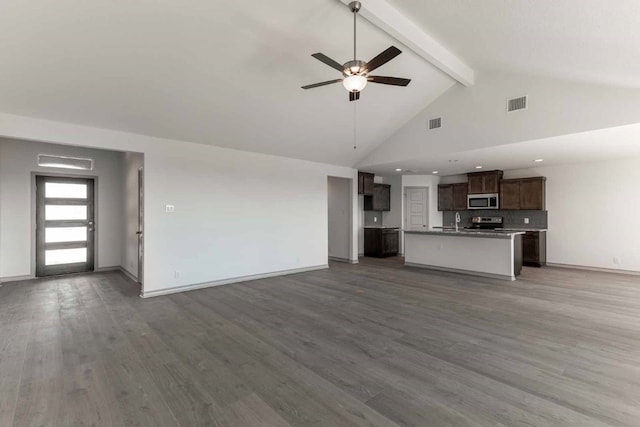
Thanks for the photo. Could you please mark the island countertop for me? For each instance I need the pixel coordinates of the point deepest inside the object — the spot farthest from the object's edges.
(491, 234)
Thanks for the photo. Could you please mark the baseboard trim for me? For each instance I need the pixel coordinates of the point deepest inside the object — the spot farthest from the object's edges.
(184, 288)
(16, 278)
(458, 271)
(345, 260)
(129, 275)
(598, 269)
(105, 269)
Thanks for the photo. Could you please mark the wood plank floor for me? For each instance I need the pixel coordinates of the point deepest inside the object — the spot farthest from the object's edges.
(374, 344)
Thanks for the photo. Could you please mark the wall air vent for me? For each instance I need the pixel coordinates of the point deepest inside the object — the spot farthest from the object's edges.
(517, 104)
(435, 123)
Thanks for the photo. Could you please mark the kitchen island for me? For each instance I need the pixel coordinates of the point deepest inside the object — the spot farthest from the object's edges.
(487, 253)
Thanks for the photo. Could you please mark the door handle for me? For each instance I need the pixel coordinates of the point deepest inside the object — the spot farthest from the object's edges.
(138, 232)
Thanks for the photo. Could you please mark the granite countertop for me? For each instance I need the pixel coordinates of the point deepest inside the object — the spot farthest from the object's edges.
(521, 229)
(381, 226)
(495, 234)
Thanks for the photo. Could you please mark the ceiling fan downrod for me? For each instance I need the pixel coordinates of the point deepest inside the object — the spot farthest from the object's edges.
(355, 8)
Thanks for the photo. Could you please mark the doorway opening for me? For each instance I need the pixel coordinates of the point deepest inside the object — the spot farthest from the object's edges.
(65, 225)
(340, 214)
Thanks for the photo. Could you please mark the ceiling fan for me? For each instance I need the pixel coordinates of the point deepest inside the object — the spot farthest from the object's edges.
(356, 73)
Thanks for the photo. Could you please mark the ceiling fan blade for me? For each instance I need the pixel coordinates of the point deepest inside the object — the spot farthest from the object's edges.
(330, 62)
(395, 81)
(383, 58)
(328, 82)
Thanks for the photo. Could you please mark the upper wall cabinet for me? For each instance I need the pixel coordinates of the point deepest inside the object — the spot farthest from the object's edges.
(525, 193)
(452, 197)
(484, 182)
(365, 183)
(380, 200)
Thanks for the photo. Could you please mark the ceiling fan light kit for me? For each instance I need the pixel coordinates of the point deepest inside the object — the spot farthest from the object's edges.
(356, 72)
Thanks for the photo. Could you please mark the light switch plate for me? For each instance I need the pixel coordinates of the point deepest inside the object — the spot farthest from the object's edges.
(526, 220)
(169, 208)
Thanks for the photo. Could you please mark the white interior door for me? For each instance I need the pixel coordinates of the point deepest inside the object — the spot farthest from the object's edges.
(416, 209)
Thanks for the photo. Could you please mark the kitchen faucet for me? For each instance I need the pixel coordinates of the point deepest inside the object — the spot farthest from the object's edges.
(457, 220)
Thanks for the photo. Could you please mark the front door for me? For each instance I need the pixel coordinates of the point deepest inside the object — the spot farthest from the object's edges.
(65, 225)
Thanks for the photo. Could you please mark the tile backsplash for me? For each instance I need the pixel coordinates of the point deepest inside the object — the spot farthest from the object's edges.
(512, 218)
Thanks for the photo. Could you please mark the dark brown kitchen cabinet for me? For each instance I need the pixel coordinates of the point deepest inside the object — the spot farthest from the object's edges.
(460, 192)
(365, 183)
(532, 193)
(484, 182)
(534, 248)
(380, 200)
(381, 242)
(452, 197)
(510, 194)
(445, 197)
(525, 193)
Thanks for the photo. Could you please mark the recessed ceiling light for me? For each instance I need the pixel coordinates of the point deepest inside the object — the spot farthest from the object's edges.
(434, 172)
(478, 167)
(538, 160)
(398, 170)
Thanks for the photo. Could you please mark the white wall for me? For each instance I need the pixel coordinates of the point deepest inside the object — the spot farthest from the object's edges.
(237, 214)
(132, 163)
(18, 159)
(340, 217)
(594, 213)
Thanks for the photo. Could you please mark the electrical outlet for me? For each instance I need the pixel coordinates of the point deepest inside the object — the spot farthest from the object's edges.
(176, 274)
(375, 219)
(169, 208)
(616, 260)
(526, 220)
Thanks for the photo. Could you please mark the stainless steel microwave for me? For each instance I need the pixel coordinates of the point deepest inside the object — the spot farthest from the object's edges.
(483, 201)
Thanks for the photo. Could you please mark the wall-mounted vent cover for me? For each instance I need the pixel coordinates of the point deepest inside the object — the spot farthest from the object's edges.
(52, 161)
(516, 104)
(435, 123)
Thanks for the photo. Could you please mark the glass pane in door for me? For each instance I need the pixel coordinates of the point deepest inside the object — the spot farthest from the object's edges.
(65, 256)
(63, 212)
(65, 234)
(65, 191)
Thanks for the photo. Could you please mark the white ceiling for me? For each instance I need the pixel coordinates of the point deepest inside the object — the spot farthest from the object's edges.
(213, 72)
(598, 145)
(586, 40)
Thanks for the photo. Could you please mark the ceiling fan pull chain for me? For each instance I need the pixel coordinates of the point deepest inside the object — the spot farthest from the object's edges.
(355, 122)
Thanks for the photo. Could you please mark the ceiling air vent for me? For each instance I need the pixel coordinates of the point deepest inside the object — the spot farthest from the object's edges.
(516, 104)
(435, 123)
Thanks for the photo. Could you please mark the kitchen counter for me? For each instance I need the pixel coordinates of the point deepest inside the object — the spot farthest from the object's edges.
(488, 253)
(492, 234)
(381, 226)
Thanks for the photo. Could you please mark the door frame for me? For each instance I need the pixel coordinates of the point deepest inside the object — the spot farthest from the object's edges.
(34, 207)
(140, 232)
